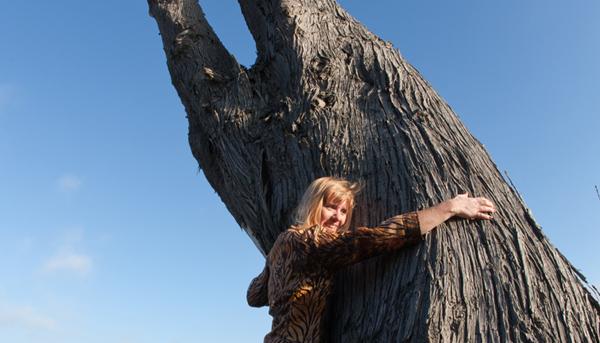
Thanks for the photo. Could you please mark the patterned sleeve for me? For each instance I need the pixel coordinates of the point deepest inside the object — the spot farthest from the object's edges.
(337, 251)
(257, 294)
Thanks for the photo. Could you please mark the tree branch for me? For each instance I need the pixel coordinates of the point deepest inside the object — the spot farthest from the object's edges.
(197, 59)
(220, 101)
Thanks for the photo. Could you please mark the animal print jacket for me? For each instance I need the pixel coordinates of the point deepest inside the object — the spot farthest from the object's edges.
(298, 274)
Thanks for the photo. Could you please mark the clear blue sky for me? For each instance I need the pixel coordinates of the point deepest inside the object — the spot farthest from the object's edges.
(108, 232)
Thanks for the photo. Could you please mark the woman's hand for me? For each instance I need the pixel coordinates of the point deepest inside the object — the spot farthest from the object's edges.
(460, 206)
(471, 208)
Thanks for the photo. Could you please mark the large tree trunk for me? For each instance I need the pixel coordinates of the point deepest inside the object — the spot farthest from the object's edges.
(327, 97)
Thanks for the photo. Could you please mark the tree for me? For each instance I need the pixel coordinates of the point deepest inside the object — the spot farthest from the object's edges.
(327, 97)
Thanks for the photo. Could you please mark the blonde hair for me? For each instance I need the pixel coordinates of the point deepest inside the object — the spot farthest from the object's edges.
(321, 190)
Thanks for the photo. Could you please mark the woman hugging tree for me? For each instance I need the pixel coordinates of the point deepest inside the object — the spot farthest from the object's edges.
(299, 269)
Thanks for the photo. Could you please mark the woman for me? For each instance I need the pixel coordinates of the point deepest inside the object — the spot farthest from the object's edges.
(299, 268)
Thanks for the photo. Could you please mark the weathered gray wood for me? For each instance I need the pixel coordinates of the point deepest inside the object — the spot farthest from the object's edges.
(327, 97)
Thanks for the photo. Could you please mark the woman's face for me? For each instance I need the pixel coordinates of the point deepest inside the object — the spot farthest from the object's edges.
(333, 216)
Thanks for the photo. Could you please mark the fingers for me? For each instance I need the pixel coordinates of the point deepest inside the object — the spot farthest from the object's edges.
(485, 212)
(485, 205)
(479, 208)
(483, 216)
(487, 209)
(479, 200)
(484, 201)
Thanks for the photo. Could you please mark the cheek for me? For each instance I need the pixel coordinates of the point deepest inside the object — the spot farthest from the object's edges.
(343, 218)
(324, 215)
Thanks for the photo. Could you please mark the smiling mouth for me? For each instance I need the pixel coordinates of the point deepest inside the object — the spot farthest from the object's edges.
(332, 226)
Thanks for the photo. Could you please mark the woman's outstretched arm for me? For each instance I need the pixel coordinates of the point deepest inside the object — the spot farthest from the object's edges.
(460, 206)
(337, 250)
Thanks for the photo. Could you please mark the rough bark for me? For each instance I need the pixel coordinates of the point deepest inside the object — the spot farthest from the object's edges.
(327, 97)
